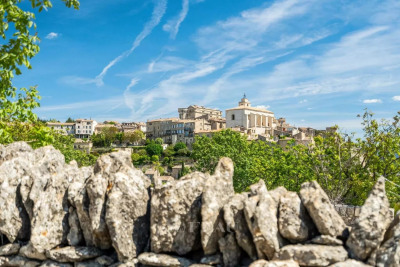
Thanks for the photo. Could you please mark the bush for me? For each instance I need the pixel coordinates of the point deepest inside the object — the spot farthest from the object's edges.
(183, 152)
(169, 151)
(154, 149)
(180, 145)
(165, 161)
(155, 158)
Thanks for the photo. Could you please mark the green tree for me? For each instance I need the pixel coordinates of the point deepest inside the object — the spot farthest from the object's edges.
(134, 137)
(179, 146)
(70, 120)
(155, 158)
(20, 44)
(154, 149)
(346, 167)
(159, 141)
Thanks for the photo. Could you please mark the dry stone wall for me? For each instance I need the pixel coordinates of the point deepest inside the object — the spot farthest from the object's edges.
(56, 214)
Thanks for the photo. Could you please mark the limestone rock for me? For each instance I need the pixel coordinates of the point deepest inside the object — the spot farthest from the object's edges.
(230, 250)
(277, 193)
(47, 201)
(133, 263)
(261, 215)
(236, 222)
(275, 263)
(75, 236)
(98, 262)
(13, 150)
(153, 259)
(127, 210)
(19, 261)
(217, 192)
(294, 221)
(327, 240)
(79, 200)
(350, 263)
(388, 254)
(369, 228)
(313, 255)
(31, 252)
(176, 214)
(16, 162)
(50, 263)
(9, 249)
(321, 210)
(215, 259)
(73, 254)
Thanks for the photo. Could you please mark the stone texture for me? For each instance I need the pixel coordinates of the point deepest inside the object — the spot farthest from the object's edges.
(215, 259)
(313, 255)
(127, 210)
(47, 202)
(50, 263)
(113, 188)
(217, 192)
(176, 214)
(321, 210)
(230, 250)
(275, 263)
(261, 215)
(153, 259)
(235, 221)
(294, 222)
(98, 262)
(350, 263)
(369, 228)
(73, 254)
(16, 162)
(9, 249)
(75, 236)
(327, 240)
(388, 254)
(19, 261)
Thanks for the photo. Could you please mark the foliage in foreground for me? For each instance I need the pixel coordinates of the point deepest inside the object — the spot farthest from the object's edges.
(345, 166)
(38, 135)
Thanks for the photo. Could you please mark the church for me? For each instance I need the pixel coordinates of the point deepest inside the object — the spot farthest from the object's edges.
(252, 120)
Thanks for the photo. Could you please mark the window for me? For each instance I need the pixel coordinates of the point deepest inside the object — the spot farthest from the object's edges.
(233, 117)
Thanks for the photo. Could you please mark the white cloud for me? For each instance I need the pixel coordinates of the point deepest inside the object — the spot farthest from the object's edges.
(263, 106)
(303, 101)
(158, 12)
(396, 98)
(372, 101)
(52, 35)
(172, 26)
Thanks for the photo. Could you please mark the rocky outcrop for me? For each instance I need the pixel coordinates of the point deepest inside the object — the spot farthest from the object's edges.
(321, 210)
(58, 215)
(153, 259)
(294, 222)
(236, 222)
(217, 192)
(261, 213)
(313, 255)
(369, 229)
(176, 214)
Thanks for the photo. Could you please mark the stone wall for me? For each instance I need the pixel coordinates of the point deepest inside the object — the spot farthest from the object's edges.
(56, 214)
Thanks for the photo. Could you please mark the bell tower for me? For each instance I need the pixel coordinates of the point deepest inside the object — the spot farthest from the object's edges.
(244, 102)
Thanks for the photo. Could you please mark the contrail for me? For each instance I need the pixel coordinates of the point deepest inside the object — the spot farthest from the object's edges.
(158, 13)
(174, 29)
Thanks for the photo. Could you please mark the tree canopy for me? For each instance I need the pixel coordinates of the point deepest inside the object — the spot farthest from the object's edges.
(18, 31)
(345, 166)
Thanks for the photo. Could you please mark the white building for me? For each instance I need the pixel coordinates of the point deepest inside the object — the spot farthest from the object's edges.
(62, 127)
(84, 128)
(251, 120)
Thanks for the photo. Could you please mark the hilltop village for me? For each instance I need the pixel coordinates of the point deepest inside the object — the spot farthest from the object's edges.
(257, 123)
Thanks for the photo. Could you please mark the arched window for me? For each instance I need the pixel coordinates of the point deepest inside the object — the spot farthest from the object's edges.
(233, 117)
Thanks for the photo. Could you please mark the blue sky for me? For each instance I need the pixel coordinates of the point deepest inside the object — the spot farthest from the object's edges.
(315, 62)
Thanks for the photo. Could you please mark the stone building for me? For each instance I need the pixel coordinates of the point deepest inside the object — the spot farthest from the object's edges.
(182, 129)
(254, 121)
(65, 128)
(195, 112)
